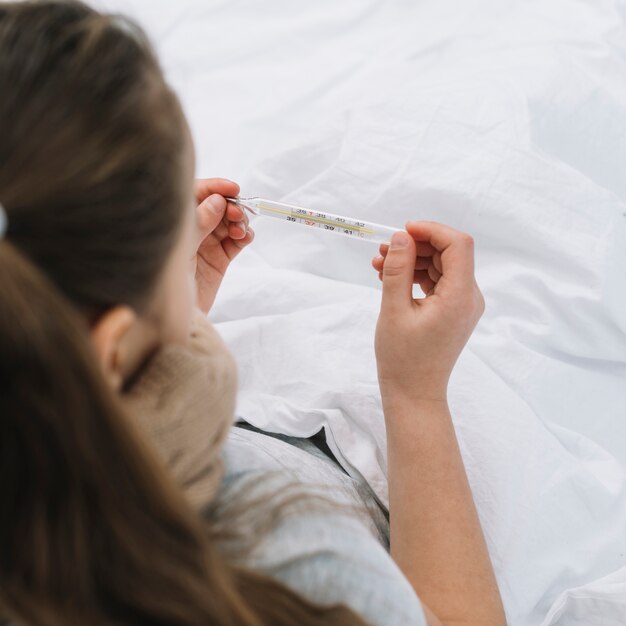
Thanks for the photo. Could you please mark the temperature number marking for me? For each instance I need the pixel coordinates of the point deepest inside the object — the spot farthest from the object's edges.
(319, 219)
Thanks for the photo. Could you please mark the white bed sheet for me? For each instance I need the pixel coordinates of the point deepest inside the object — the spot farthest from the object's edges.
(503, 118)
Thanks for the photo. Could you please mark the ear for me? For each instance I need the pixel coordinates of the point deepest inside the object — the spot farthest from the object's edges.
(109, 337)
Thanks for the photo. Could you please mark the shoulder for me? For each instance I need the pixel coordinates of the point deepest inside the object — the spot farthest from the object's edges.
(330, 555)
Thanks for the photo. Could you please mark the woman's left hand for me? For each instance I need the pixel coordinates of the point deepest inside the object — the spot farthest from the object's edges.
(223, 234)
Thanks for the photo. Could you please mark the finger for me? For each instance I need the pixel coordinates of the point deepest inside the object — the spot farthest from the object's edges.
(234, 213)
(221, 231)
(421, 263)
(437, 262)
(456, 253)
(433, 273)
(233, 247)
(426, 283)
(238, 230)
(204, 187)
(422, 249)
(397, 273)
(209, 214)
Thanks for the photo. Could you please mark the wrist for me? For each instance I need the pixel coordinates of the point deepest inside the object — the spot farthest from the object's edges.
(407, 381)
(421, 391)
(408, 415)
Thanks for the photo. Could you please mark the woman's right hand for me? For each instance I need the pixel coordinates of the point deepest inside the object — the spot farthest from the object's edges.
(435, 533)
(419, 340)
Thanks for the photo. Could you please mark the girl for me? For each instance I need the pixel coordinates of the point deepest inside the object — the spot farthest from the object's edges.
(116, 399)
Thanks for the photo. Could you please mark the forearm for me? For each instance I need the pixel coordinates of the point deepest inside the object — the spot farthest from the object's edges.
(436, 537)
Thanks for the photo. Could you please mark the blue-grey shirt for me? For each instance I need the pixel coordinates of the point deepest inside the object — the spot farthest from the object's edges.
(328, 556)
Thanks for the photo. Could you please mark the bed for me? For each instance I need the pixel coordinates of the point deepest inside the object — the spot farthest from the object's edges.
(503, 118)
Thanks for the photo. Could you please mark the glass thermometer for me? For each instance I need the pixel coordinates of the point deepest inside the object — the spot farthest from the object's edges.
(348, 226)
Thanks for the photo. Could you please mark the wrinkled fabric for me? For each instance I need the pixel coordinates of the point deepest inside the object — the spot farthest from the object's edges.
(506, 119)
(335, 553)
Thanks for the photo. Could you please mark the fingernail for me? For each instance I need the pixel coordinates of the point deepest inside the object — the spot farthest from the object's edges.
(216, 204)
(400, 239)
(242, 225)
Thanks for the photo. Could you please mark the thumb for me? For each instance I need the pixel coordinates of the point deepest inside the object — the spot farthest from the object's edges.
(398, 271)
(210, 213)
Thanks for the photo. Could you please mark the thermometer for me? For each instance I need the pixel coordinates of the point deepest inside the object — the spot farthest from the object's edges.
(341, 225)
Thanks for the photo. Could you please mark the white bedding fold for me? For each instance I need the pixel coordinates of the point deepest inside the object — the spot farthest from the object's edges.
(503, 118)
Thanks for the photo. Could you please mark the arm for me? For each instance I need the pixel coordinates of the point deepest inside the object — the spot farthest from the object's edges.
(436, 537)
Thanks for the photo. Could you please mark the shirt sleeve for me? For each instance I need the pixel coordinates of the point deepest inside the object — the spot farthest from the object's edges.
(330, 558)
(329, 555)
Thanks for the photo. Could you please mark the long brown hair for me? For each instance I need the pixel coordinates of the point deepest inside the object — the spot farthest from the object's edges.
(92, 528)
